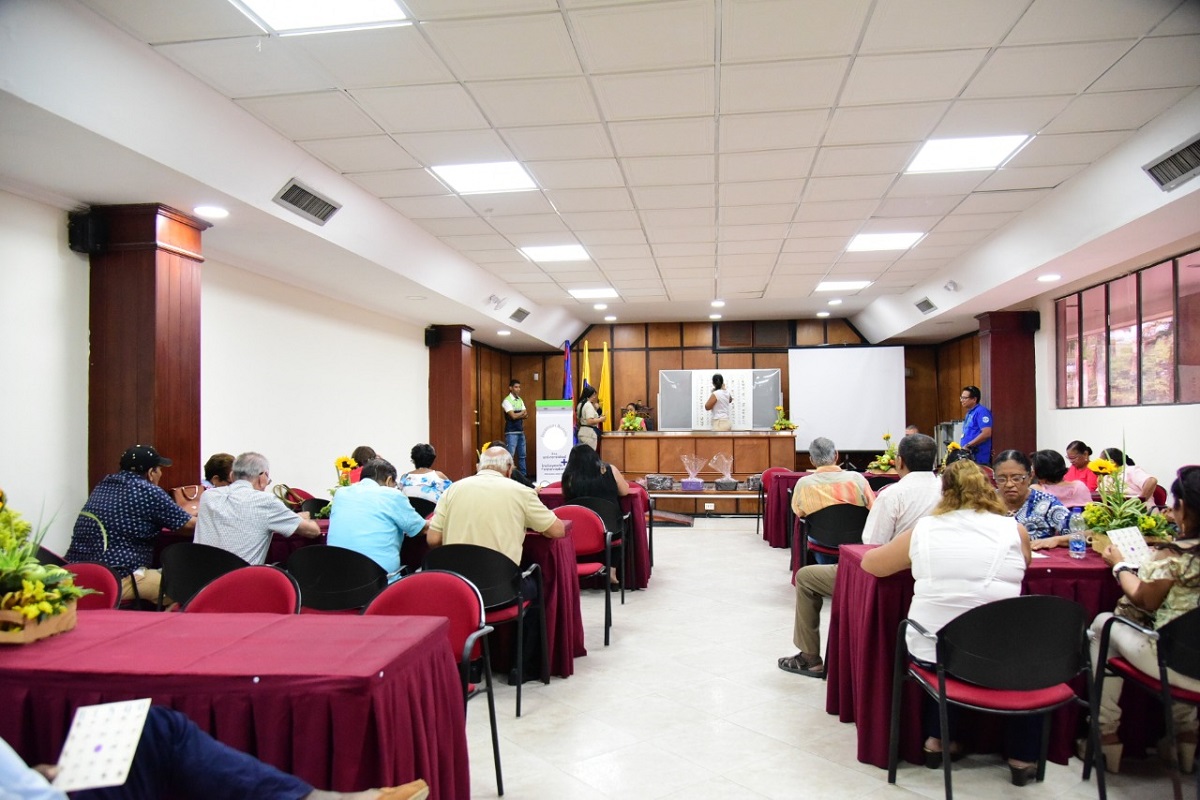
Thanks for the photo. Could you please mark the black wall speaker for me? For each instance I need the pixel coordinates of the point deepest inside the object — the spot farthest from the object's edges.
(432, 337)
(85, 234)
(1031, 321)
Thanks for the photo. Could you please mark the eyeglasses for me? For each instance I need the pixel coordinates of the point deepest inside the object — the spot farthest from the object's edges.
(1007, 479)
(966, 397)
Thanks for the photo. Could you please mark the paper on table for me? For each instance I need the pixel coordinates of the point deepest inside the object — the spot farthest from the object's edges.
(1038, 554)
(100, 745)
(1132, 545)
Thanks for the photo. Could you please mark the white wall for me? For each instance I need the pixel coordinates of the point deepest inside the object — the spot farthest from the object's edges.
(303, 379)
(43, 366)
(1160, 438)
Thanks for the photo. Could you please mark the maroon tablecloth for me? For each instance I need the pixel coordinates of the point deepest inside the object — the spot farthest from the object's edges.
(776, 511)
(345, 703)
(277, 552)
(866, 614)
(636, 503)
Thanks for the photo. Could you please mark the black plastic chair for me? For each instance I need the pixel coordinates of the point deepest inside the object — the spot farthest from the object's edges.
(1011, 656)
(49, 557)
(877, 482)
(1178, 649)
(314, 505)
(187, 567)
(335, 578)
(620, 526)
(499, 581)
(422, 506)
(826, 530)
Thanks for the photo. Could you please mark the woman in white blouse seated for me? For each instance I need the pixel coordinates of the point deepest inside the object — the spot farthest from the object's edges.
(424, 481)
(1138, 482)
(969, 552)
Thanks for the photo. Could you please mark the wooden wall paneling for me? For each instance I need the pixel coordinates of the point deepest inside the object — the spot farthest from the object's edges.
(664, 334)
(750, 457)
(1007, 370)
(810, 332)
(629, 336)
(920, 387)
(669, 452)
(735, 361)
(596, 336)
(660, 360)
(838, 331)
(523, 366)
(783, 452)
(707, 447)
(613, 451)
(769, 333)
(641, 456)
(699, 359)
(697, 334)
(629, 378)
(735, 334)
(552, 378)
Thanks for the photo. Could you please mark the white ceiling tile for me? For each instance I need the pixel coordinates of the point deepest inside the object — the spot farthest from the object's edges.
(777, 131)
(674, 137)
(399, 183)
(469, 226)
(1155, 63)
(781, 86)
(835, 210)
(954, 238)
(698, 196)
(643, 95)
(823, 245)
(156, 22)
(679, 217)
(669, 170)
(1044, 69)
(906, 25)
(974, 222)
(543, 239)
(748, 215)
(762, 30)
(431, 207)
(918, 206)
(910, 78)
(759, 247)
(949, 251)
(1185, 19)
(1070, 148)
(1114, 111)
(794, 253)
(448, 9)
(999, 117)
(576, 277)
(658, 36)
(753, 193)
(361, 153)
(506, 203)
(1087, 20)
(753, 263)
(581, 174)
(898, 225)
(765, 166)
(249, 66)
(455, 147)
(567, 200)
(701, 233)
(508, 255)
(603, 237)
(687, 266)
(528, 223)
(1028, 177)
(603, 220)
(324, 115)
(909, 263)
(933, 184)
(537, 45)
(863, 159)
(677, 249)
(623, 256)
(840, 229)
(992, 202)
(875, 124)
(558, 142)
(380, 57)
(553, 101)
(492, 241)
(859, 187)
(746, 233)
(404, 109)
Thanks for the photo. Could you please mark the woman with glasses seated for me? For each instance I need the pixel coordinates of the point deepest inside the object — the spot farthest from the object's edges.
(1047, 520)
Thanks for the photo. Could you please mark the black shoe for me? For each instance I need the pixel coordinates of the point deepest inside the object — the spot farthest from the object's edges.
(1023, 775)
(933, 758)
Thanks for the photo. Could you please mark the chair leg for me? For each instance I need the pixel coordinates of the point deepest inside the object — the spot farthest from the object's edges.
(627, 567)
(1041, 764)
(520, 656)
(894, 725)
(1172, 750)
(491, 700)
(944, 717)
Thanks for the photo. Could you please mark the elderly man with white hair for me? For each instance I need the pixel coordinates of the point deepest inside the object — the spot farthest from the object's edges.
(490, 510)
(828, 484)
(242, 516)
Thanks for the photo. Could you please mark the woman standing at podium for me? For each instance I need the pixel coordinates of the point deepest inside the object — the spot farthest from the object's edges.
(719, 403)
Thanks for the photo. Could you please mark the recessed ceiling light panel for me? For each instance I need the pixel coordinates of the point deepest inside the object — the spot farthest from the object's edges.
(822, 314)
(965, 155)
(714, 316)
(319, 16)
(610, 318)
(545, 254)
(867, 242)
(1049, 277)
(718, 303)
(842, 286)
(504, 333)
(606, 293)
(496, 176)
(837, 301)
(210, 212)
(600, 306)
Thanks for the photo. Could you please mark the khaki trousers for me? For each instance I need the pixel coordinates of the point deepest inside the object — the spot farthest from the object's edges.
(813, 585)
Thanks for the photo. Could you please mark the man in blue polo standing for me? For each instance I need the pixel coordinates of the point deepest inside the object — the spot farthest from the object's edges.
(977, 425)
(514, 424)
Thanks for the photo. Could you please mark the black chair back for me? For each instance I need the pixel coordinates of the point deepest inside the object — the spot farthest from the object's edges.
(422, 506)
(877, 482)
(50, 558)
(188, 567)
(1179, 644)
(1018, 644)
(496, 577)
(314, 505)
(335, 578)
(837, 525)
(607, 510)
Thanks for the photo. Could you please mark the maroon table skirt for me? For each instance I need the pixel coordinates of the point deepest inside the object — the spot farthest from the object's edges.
(866, 615)
(776, 511)
(345, 703)
(636, 503)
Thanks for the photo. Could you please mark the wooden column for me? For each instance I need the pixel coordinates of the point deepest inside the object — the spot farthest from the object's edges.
(1006, 377)
(144, 373)
(452, 422)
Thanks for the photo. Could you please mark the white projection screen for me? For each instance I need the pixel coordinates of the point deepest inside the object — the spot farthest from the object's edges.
(852, 395)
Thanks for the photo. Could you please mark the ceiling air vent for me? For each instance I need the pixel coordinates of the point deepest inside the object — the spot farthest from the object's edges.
(297, 197)
(1177, 166)
(925, 306)
(519, 315)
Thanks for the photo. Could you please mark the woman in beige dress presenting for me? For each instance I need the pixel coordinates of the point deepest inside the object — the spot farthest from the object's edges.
(719, 403)
(589, 418)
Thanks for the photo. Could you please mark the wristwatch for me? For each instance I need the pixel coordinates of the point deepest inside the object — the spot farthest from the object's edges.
(1123, 566)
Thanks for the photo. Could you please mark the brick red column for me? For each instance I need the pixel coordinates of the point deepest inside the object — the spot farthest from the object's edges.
(1006, 377)
(452, 422)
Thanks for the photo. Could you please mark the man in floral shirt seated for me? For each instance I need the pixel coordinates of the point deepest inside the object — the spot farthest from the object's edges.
(121, 518)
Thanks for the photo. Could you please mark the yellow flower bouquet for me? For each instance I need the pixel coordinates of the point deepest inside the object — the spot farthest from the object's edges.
(782, 423)
(631, 422)
(887, 459)
(1115, 510)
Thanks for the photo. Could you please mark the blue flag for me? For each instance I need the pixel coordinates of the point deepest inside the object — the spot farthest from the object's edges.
(568, 381)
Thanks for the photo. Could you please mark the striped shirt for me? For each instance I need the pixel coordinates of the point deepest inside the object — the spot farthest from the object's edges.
(830, 486)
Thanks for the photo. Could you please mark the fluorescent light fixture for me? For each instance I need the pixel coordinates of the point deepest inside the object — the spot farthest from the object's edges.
(544, 254)
(714, 316)
(606, 293)
(718, 303)
(600, 306)
(965, 155)
(320, 16)
(610, 318)
(837, 301)
(495, 176)
(842, 286)
(210, 212)
(1050, 277)
(867, 242)
(822, 314)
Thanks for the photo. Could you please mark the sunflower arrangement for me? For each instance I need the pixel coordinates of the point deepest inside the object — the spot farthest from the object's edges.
(887, 459)
(33, 590)
(344, 465)
(782, 423)
(631, 421)
(1115, 510)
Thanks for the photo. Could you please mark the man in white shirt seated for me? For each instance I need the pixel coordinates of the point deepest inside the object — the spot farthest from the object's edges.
(241, 517)
(896, 510)
(373, 517)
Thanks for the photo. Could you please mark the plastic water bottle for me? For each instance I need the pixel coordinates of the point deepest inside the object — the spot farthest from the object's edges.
(1078, 540)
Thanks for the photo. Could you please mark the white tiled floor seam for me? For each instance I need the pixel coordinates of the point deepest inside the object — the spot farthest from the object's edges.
(687, 702)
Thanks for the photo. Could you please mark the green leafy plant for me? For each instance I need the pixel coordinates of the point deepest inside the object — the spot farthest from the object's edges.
(28, 587)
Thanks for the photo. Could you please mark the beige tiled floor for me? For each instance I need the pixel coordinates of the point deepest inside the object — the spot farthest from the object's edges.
(687, 702)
